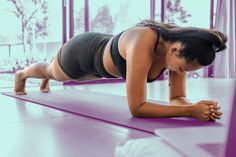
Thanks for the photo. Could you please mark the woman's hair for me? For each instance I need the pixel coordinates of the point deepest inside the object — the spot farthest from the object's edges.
(198, 44)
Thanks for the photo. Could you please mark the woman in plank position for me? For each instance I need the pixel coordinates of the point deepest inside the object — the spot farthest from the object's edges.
(139, 55)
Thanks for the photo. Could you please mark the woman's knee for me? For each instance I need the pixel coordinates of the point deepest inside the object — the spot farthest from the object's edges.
(55, 72)
(50, 74)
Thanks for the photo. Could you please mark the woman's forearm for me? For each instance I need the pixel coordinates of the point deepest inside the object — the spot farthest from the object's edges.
(152, 110)
(180, 101)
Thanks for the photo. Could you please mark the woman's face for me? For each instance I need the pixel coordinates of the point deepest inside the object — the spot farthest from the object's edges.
(179, 64)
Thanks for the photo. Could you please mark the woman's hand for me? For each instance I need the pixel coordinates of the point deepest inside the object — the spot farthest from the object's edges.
(215, 112)
(206, 110)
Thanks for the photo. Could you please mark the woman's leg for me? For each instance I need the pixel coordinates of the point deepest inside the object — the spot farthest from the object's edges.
(44, 71)
(44, 87)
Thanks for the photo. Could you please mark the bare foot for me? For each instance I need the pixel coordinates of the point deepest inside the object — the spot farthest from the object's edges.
(44, 88)
(19, 83)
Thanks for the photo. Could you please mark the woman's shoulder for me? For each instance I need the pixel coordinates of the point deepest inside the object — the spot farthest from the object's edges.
(140, 32)
(139, 36)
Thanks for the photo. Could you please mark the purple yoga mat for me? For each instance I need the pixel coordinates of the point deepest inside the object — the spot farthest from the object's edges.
(106, 107)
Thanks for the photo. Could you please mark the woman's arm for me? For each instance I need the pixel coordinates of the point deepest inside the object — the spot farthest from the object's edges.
(180, 101)
(139, 57)
(149, 109)
(202, 110)
(177, 89)
(177, 96)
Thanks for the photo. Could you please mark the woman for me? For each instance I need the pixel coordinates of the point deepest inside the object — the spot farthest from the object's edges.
(139, 55)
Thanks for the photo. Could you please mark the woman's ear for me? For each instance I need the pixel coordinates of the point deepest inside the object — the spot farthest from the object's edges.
(175, 49)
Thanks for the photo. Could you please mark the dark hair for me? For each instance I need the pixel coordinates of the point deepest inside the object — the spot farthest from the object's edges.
(198, 44)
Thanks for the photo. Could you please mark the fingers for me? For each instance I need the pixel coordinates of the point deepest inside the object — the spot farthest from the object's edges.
(211, 110)
(212, 118)
(217, 112)
(215, 107)
(209, 102)
(216, 116)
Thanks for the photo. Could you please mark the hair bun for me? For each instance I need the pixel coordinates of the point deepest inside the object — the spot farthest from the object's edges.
(218, 48)
(219, 42)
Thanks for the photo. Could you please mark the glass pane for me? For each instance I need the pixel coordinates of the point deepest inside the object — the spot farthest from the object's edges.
(113, 17)
(214, 14)
(188, 13)
(79, 16)
(32, 32)
(158, 10)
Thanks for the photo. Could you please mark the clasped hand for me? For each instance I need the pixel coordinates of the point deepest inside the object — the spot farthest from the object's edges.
(206, 110)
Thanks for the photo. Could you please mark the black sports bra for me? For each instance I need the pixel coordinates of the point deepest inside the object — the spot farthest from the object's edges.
(120, 62)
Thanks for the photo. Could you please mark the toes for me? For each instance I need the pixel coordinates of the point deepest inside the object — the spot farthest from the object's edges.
(45, 90)
(20, 93)
(19, 83)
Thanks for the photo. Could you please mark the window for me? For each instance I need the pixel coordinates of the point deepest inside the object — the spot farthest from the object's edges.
(115, 16)
(31, 33)
(79, 24)
(158, 10)
(188, 13)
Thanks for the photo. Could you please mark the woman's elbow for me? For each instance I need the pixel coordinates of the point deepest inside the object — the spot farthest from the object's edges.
(135, 112)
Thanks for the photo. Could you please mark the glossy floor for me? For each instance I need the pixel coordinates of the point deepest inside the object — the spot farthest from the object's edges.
(29, 129)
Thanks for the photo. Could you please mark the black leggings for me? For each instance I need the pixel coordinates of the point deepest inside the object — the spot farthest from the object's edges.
(83, 55)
